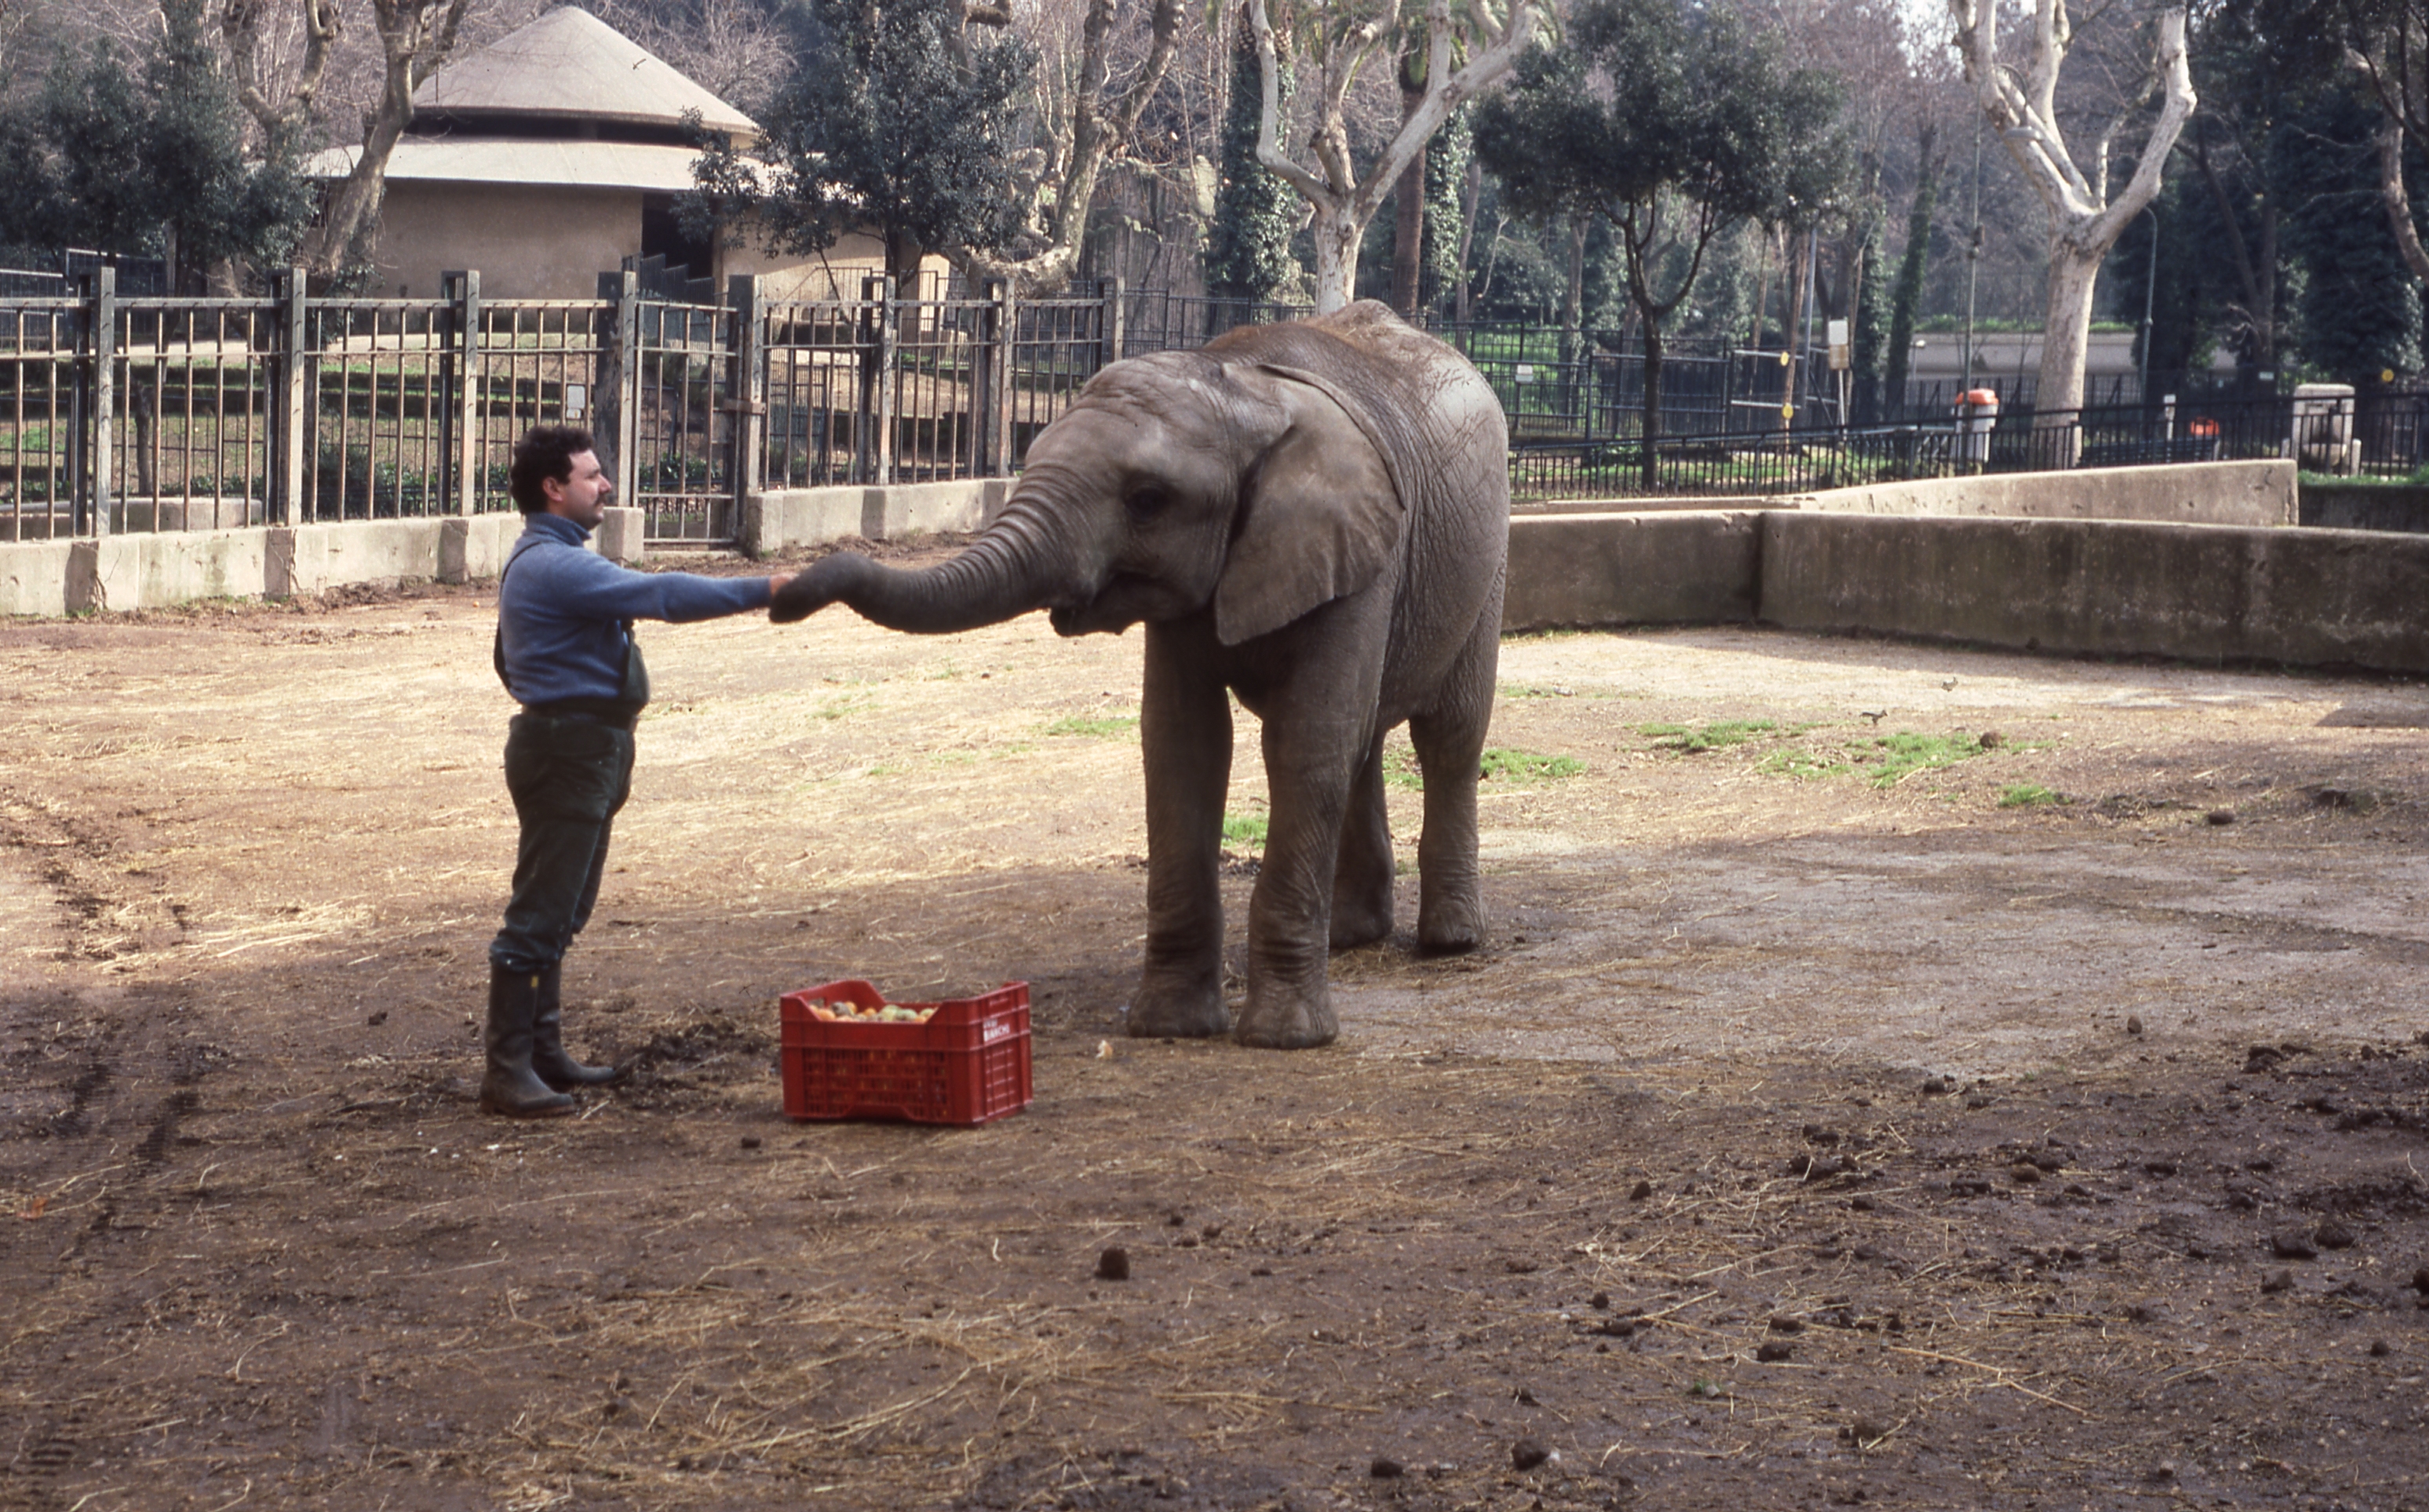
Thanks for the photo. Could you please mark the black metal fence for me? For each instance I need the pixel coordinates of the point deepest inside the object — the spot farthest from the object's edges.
(2383, 436)
(150, 413)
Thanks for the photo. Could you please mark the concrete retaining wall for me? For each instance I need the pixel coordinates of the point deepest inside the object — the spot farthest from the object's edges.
(1671, 568)
(2196, 493)
(151, 571)
(2365, 506)
(2199, 493)
(2208, 593)
(812, 516)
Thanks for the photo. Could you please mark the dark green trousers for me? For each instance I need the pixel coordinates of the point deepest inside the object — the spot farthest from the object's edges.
(569, 777)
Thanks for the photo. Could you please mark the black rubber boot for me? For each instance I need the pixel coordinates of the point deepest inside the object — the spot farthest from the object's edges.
(549, 1061)
(508, 1086)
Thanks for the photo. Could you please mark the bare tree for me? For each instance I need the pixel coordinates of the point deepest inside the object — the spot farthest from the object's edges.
(278, 58)
(1084, 117)
(2085, 219)
(1343, 38)
(416, 38)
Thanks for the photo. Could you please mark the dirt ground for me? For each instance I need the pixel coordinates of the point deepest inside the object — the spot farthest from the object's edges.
(2039, 1129)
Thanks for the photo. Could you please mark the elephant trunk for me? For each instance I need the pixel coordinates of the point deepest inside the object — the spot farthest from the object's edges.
(1017, 564)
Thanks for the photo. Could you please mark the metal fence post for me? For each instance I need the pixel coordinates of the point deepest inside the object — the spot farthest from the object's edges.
(104, 319)
(1111, 334)
(747, 392)
(286, 424)
(993, 406)
(873, 451)
(459, 422)
(616, 382)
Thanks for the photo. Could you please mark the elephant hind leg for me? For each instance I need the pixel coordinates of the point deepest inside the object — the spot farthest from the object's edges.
(1450, 747)
(1363, 873)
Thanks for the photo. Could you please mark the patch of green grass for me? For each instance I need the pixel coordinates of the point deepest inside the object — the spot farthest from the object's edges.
(1526, 766)
(1102, 727)
(1247, 830)
(1804, 764)
(1523, 635)
(838, 708)
(1400, 770)
(2026, 795)
(1894, 758)
(1719, 736)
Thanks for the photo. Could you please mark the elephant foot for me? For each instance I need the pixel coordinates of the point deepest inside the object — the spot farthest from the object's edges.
(1352, 928)
(1174, 1010)
(1450, 929)
(1297, 1023)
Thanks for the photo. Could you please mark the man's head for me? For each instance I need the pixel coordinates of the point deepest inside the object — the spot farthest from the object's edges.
(556, 471)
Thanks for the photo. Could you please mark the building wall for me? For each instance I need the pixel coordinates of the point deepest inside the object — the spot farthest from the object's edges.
(528, 242)
(533, 241)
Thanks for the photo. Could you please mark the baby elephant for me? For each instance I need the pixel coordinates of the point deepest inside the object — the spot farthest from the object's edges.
(1315, 517)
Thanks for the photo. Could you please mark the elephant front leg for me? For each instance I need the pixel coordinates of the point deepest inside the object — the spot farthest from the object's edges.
(1290, 1003)
(1185, 733)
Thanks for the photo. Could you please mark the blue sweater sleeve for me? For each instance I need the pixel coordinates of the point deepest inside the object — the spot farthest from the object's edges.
(580, 585)
(562, 614)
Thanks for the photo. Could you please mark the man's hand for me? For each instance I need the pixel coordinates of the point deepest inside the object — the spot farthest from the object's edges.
(794, 596)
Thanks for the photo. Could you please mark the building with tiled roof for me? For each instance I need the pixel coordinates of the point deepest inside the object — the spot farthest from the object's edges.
(550, 156)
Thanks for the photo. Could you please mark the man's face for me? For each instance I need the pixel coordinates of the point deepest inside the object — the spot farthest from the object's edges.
(582, 496)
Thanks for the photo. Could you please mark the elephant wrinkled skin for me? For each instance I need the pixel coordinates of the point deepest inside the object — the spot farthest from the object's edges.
(1315, 517)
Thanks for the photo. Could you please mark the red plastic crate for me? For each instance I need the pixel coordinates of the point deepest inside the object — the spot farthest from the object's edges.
(966, 1065)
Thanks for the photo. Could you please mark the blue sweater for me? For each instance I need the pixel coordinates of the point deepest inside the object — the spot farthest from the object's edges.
(565, 614)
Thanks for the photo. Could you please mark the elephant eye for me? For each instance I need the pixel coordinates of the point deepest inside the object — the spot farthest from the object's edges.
(1147, 501)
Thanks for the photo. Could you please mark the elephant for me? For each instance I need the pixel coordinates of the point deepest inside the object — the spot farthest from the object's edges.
(1313, 516)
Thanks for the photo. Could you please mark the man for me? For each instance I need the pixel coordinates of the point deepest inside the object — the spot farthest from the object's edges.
(564, 651)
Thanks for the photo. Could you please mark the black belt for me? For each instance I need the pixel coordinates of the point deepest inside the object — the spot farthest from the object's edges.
(588, 712)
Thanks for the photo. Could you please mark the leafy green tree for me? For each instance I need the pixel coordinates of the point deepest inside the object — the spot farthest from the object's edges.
(146, 164)
(896, 118)
(2360, 306)
(1673, 122)
(213, 207)
(1248, 245)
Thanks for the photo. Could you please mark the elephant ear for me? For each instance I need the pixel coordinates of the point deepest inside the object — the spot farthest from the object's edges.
(1321, 515)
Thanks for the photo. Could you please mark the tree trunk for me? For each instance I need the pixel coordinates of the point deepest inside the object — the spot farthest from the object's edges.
(1475, 192)
(2066, 336)
(1336, 256)
(1799, 249)
(2020, 105)
(415, 37)
(2398, 201)
(1409, 215)
(1573, 299)
(1652, 398)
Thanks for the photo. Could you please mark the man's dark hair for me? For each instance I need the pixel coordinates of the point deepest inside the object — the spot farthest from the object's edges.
(545, 451)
